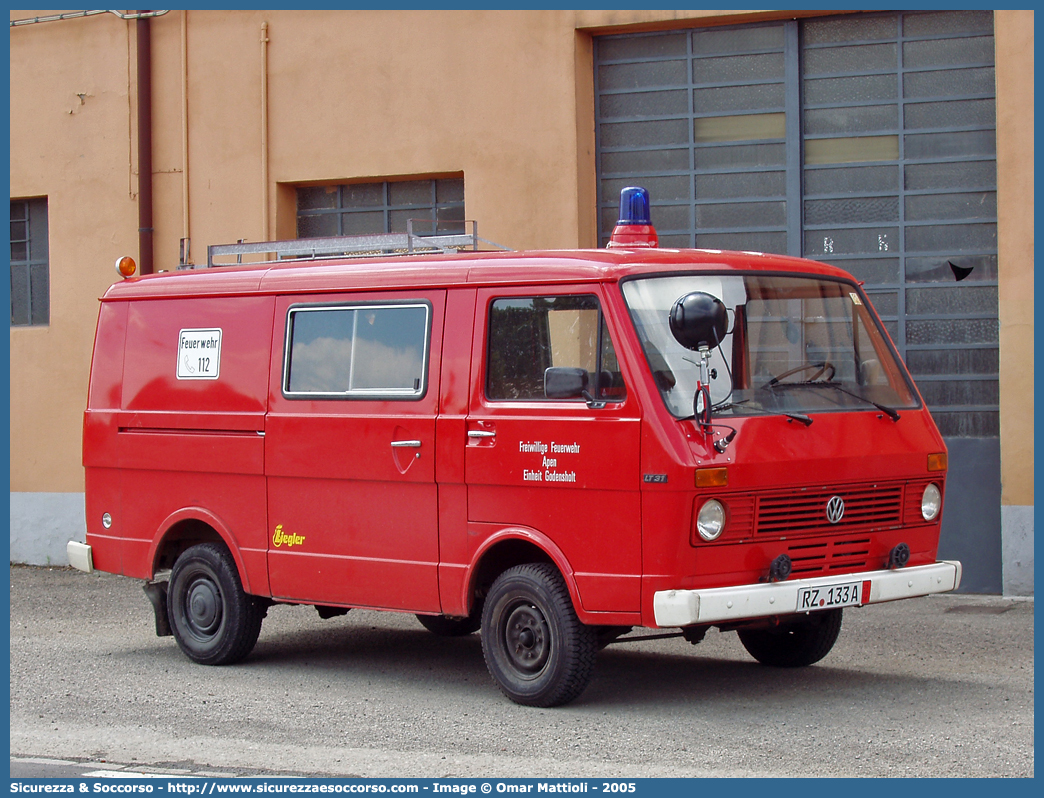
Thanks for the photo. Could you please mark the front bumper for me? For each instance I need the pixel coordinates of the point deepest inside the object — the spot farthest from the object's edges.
(742, 602)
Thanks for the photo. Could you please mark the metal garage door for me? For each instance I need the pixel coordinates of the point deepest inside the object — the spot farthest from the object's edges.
(864, 140)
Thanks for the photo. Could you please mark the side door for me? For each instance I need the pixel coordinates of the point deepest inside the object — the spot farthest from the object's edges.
(350, 450)
(564, 468)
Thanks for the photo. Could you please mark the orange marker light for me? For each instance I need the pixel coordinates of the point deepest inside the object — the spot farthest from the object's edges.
(937, 462)
(712, 477)
(126, 266)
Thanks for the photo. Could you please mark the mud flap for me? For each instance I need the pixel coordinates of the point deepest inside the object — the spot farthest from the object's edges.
(157, 593)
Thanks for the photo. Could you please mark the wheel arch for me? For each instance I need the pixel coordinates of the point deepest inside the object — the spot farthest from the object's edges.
(508, 548)
(187, 527)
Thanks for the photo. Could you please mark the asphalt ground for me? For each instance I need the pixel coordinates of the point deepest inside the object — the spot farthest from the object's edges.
(932, 687)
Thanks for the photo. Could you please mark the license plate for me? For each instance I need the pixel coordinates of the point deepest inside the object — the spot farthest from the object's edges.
(828, 597)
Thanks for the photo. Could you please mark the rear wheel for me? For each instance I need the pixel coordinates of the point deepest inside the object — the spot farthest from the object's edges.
(213, 620)
(795, 643)
(537, 650)
(444, 626)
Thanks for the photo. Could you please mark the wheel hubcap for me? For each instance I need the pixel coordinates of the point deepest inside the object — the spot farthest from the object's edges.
(527, 638)
(203, 606)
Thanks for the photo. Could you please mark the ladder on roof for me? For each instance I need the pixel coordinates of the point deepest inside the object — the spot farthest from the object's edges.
(358, 246)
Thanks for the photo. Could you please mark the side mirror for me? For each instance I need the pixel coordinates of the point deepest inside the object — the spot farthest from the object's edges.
(561, 382)
(699, 320)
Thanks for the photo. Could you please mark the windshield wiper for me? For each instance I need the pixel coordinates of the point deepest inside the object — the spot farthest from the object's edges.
(888, 411)
(823, 367)
(741, 405)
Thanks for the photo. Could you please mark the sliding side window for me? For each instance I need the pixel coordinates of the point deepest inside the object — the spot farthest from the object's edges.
(373, 351)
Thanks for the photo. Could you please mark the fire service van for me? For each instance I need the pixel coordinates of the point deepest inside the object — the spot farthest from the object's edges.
(551, 448)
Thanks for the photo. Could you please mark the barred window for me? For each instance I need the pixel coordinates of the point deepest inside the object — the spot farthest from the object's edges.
(437, 206)
(30, 291)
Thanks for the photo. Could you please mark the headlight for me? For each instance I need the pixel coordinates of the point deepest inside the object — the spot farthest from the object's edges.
(711, 519)
(931, 502)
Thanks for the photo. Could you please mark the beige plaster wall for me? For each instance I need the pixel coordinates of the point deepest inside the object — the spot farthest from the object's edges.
(363, 94)
(351, 95)
(1013, 33)
(70, 141)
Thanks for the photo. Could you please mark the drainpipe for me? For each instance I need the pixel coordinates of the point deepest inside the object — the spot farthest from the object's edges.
(144, 79)
(264, 131)
(185, 261)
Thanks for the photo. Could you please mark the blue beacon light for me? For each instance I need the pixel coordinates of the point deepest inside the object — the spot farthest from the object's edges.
(634, 206)
(634, 228)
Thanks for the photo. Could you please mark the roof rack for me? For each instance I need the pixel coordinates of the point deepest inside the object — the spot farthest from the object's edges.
(361, 246)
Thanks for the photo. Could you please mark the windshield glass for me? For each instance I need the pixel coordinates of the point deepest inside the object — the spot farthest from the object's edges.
(793, 345)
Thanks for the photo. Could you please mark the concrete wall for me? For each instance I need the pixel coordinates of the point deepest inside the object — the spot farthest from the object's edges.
(42, 524)
(503, 97)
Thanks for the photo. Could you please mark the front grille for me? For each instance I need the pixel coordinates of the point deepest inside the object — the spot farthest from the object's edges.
(867, 508)
(829, 556)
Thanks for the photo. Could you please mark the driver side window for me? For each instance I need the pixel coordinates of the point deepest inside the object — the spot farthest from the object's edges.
(528, 335)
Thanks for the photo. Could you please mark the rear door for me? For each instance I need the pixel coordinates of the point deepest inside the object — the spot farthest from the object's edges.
(349, 450)
(565, 469)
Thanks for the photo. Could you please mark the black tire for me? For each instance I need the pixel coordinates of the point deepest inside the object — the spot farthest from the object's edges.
(450, 627)
(213, 620)
(795, 643)
(536, 649)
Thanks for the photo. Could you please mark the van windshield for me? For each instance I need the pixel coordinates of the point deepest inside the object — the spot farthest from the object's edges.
(792, 345)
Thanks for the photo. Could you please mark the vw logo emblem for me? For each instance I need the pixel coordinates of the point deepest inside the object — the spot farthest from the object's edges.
(835, 509)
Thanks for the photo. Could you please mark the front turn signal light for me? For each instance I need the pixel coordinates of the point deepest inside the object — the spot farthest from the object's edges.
(712, 477)
(937, 462)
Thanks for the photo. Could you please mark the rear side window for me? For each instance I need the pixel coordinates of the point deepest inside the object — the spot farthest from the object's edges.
(528, 335)
(357, 351)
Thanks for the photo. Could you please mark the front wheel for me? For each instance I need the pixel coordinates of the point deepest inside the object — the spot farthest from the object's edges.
(213, 620)
(536, 649)
(795, 643)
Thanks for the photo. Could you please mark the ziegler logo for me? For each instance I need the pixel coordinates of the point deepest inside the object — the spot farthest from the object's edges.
(835, 509)
(279, 537)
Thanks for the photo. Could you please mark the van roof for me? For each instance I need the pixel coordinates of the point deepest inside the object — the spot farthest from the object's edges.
(444, 271)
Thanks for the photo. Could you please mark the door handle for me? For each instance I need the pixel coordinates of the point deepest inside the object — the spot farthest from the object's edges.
(406, 444)
(481, 433)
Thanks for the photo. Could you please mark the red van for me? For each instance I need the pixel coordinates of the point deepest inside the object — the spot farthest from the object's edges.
(552, 447)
